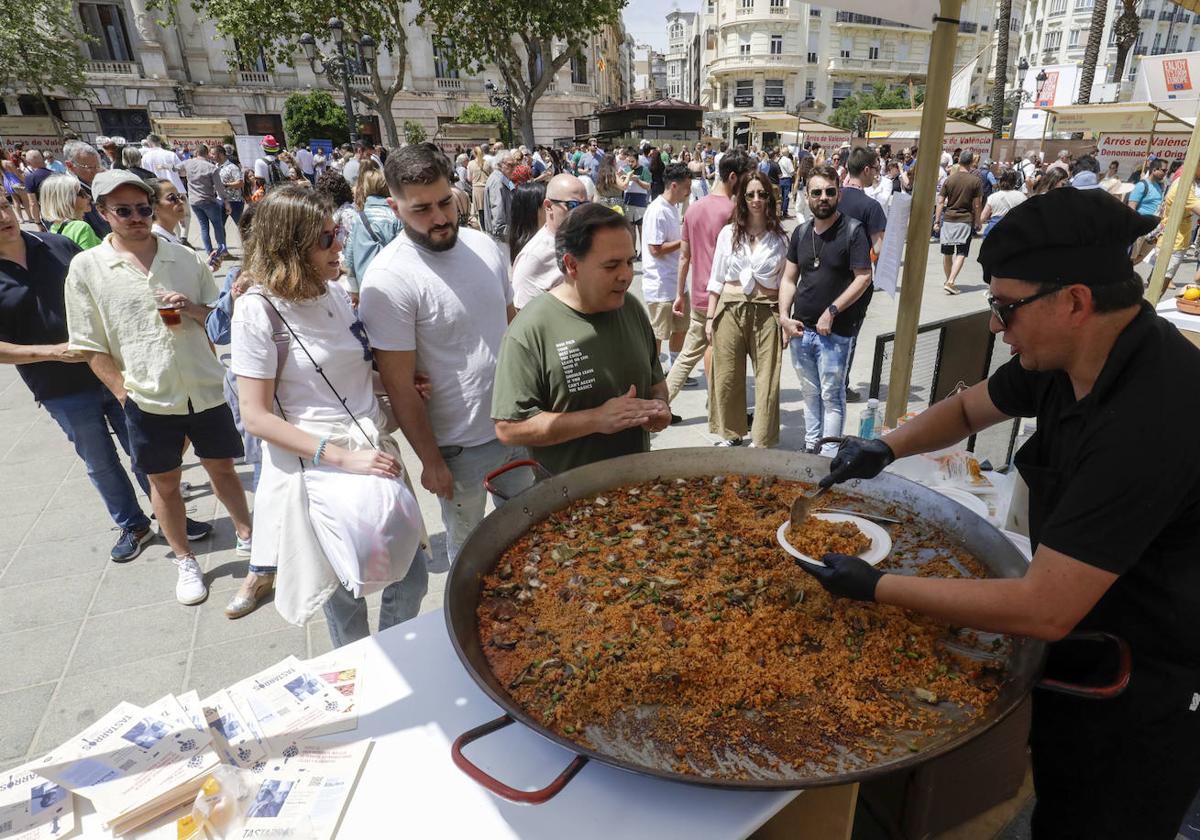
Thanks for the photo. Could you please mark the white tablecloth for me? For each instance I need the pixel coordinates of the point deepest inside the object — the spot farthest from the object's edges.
(1182, 320)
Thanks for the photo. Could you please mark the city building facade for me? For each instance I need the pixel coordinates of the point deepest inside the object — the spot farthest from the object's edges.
(140, 71)
(683, 56)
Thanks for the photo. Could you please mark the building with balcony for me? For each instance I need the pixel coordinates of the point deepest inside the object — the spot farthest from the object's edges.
(1056, 32)
(650, 75)
(683, 56)
(140, 71)
(778, 55)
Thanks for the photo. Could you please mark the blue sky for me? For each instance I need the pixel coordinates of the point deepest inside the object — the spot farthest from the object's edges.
(646, 20)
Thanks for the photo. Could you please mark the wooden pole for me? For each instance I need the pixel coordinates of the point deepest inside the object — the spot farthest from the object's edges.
(1174, 221)
(929, 152)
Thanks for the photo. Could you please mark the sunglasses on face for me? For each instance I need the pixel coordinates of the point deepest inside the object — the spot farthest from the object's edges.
(125, 211)
(1004, 311)
(569, 203)
(751, 194)
(325, 240)
(174, 198)
(829, 192)
(83, 194)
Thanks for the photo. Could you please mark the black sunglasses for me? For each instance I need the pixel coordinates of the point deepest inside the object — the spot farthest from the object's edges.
(571, 203)
(325, 240)
(757, 194)
(125, 211)
(830, 192)
(1004, 311)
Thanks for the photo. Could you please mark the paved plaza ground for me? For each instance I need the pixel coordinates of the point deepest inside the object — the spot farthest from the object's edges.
(78, 633)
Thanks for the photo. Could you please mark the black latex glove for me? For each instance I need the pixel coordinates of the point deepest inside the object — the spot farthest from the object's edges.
(844, 576)
(858, 458)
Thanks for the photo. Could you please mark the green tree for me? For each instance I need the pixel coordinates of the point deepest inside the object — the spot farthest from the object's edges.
(309, 115)
(40, 50)
(414, 132)
(527, 42)
(476, 114)
(848, 114)
(275, 28)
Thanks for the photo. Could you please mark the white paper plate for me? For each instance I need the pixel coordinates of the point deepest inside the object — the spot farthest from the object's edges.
(881, 540)
(968, 500)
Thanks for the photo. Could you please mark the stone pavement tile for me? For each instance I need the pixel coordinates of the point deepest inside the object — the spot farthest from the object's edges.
(318, 638)
(30, 657)
(45, 602)
(14, 529)
(21, 711)
(61, 558)
(43, 470)
(84, 699)
(214, 628)
(19, 501)
(131, 636)
(221, 665)
(148, 579)
(224, 572)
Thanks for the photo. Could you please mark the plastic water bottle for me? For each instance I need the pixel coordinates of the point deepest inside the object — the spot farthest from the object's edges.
(869, 420)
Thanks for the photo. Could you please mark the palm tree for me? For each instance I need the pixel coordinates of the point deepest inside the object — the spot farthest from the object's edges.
(1091, 53)
(1003, 27)
(1125, 29)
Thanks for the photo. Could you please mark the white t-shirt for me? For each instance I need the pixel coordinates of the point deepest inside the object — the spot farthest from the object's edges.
(786, 167)
(305, 160)
(1001, 201)
(260, 167)
(164, 164)
(536, 268)
(333, 335)
(350, 170)
(660, 225)
(451, 308)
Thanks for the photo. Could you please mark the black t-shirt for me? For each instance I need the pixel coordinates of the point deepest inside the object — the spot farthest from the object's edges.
(1114, 482)
(856, 204)
(34, 179)
(827, 262)
(32, 311)
(774, 172)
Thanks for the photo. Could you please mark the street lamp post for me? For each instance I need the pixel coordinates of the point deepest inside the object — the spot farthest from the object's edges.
(338, 67)
(502, 100)
(1022, 69)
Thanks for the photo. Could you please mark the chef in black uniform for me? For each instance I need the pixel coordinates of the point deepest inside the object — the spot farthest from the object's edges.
(1114, 511)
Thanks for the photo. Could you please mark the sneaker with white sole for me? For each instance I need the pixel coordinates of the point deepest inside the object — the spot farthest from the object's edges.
(243, 546)
(190, 588)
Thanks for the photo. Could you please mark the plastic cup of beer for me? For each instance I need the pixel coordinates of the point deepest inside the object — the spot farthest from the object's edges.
(170, 313)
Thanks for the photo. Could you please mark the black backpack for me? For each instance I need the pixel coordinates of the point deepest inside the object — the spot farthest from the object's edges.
(274, 173)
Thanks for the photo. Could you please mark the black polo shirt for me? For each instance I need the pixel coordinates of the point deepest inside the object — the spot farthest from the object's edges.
(827, 262)
(1114, 481)
(35, 178)
(32, 311)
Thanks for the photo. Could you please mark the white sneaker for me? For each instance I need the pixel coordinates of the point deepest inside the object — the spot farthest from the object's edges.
(190, 588)
(243, 546)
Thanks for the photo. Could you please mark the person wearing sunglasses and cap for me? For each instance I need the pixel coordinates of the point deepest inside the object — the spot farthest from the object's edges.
(136, 306)
(535, 269)
(1114, 513)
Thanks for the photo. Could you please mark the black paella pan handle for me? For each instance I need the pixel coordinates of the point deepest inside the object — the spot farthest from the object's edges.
(540, 471)
(1097, 692)
(523, 797)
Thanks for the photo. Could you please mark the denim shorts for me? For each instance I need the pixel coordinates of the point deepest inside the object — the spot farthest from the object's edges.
(156, 440)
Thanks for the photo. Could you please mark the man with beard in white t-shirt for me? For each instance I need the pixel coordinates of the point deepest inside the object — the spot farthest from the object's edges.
(436, 301)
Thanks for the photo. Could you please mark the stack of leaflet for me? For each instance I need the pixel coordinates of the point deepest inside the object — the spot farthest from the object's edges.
(34, 808)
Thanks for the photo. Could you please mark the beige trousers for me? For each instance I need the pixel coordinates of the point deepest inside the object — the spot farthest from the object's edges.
(744, 327)
(694, 345)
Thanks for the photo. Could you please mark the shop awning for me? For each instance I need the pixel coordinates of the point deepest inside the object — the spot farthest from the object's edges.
(1114, 117)
(891, 121)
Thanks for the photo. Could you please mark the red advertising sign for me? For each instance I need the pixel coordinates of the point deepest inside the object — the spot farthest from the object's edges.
(1176, 74)
(1045, 91)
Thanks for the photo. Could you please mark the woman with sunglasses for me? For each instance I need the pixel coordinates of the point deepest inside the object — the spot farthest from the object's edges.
(535, 270)
(64, 201)
(743, 292)
(336, 515)
(526, 216)
(169, 211)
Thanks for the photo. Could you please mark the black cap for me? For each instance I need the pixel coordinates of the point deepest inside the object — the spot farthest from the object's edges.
(1066, 236)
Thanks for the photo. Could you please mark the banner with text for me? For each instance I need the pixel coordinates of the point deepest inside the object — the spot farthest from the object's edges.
(1130, 150)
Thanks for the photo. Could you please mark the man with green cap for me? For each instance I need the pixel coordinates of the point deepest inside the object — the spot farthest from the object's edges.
(1114, 511)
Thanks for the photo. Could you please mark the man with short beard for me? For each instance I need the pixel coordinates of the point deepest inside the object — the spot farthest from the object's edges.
(434, 302)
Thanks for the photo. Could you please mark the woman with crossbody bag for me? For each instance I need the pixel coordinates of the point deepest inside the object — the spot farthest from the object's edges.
(334, 511)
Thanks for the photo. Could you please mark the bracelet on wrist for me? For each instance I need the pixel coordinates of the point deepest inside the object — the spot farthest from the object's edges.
(320, 451)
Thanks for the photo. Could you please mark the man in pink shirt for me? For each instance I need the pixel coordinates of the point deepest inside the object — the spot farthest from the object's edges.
(702, 224)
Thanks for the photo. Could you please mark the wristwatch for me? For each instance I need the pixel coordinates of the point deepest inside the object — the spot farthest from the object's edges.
(833, 310)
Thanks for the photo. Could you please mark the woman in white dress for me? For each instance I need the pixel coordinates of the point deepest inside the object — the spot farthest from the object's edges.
(333, 509)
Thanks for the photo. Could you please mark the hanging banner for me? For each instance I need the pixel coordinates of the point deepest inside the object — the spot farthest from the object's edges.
(1130, 150)
(1161, 77)
(827, 140)
(29, 132)
(1176, 75)
(978, 144)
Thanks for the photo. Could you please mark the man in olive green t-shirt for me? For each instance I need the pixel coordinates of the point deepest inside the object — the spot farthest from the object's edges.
(579, 378)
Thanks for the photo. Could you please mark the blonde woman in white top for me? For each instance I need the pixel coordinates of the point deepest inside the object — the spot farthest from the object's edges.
(743, 290)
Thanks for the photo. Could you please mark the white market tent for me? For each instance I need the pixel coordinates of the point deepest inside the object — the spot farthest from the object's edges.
(907, 122)
(790, 128)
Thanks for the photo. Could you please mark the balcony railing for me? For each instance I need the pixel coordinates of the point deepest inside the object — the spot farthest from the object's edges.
(867, 20)
(968, 26)
(360, 80)
(580, 87)
(114, 68)
(881, 65)
(450, 84)
(779, 10)
(745, 11)
(253, 77)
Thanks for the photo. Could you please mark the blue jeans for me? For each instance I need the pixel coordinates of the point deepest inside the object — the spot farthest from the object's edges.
(347, 615)
(86, 418)
(236, 208)
(785, 187)
(210, 213)
(821, 361)
(469, 465)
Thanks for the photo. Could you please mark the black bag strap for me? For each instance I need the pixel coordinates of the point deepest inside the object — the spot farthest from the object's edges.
(292, 334)
(370, 230)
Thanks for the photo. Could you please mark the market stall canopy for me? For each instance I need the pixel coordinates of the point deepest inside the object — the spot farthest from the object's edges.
(1126, 117)
(35, 132)
(893, 121)
(194, 129)
(783, 120)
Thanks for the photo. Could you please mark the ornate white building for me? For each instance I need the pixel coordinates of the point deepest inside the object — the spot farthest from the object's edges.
(140, 71)
(683, 56)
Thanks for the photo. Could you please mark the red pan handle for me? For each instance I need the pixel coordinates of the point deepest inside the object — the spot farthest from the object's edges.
(524, 797)
(1097, 692)
(537, 468)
